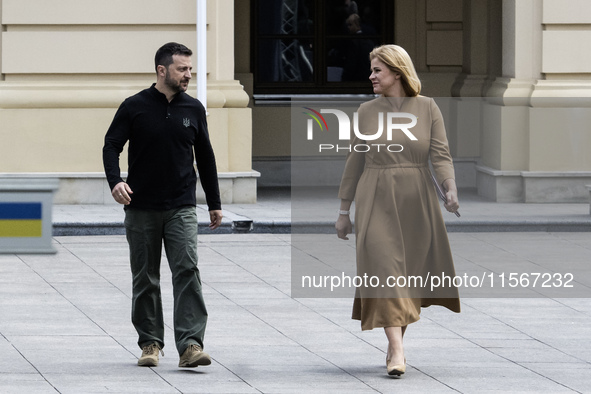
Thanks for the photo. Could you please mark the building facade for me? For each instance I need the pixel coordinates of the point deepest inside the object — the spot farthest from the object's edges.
(518, 73)
(68, 64)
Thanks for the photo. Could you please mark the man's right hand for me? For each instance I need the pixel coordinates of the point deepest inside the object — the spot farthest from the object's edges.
(121, 193)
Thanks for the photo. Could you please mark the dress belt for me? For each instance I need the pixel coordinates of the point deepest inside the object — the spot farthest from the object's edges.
(400, 165)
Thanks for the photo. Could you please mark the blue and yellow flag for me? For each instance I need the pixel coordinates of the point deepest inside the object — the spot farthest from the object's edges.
(20, 219)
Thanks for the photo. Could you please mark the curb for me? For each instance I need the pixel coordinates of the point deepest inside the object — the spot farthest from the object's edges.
(286, 227)
(235, 227)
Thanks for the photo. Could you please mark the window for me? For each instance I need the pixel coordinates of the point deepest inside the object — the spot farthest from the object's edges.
(317, 47)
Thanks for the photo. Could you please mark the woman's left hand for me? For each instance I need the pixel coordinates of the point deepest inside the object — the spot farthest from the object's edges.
(452, 204)
(343, 226)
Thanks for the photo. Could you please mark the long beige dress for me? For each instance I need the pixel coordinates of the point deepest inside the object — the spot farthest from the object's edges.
(399, 227)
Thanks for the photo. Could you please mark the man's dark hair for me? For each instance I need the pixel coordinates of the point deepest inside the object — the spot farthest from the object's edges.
(164, 54)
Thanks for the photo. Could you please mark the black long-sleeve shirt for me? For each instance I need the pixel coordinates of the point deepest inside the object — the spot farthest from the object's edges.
(163, 140)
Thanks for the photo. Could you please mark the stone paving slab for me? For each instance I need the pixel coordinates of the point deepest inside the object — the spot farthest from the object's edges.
(65, 326)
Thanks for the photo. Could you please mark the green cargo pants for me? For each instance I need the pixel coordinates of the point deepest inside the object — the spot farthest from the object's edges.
(146, 229)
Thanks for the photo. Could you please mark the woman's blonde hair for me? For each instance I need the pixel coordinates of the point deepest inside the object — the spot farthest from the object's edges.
(398, 60)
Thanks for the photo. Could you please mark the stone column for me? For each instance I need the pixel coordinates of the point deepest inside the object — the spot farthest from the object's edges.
(533, 133)
(230, 119)
(479, 69)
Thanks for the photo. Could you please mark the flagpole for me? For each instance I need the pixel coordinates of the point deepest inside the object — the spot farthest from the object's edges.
(201, 52)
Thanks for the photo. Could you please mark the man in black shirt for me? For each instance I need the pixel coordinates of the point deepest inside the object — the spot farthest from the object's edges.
(167, 133)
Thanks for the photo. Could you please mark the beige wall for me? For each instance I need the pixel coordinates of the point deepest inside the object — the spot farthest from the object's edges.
(53, 140)
(566, 67)
(86, 36)
(84, 57)
(432, 33)
(273, 131)
(534, 153)
(550, 66)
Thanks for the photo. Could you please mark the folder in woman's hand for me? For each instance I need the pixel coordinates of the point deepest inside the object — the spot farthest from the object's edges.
(441, 192)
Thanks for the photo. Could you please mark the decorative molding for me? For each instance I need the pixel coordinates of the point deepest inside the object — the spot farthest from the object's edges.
(92, 187)
(220, 94)
(533, 186)
(510, 91)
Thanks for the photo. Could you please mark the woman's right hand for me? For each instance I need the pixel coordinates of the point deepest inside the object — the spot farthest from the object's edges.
(343, 227)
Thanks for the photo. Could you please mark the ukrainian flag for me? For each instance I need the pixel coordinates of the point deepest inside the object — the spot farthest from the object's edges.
(20, 219)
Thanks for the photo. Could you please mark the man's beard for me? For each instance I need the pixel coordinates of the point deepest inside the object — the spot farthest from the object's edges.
(175, 86)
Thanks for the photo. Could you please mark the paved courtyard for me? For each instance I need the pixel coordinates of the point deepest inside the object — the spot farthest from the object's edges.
(65, 325)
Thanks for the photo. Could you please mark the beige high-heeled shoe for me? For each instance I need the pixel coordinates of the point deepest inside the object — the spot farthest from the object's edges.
(395, 369)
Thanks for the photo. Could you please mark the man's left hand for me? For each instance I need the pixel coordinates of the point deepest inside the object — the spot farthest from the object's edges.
(215, 219)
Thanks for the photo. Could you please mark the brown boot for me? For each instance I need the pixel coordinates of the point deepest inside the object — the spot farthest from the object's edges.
(194, 356)
(149, 356)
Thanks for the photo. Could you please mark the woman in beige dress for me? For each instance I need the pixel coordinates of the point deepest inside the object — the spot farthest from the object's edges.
(398, 223)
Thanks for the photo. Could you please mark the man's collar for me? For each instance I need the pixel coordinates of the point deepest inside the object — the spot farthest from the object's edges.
(160, 94)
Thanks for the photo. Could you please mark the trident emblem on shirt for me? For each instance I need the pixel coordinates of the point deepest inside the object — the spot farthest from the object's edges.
(186, 122)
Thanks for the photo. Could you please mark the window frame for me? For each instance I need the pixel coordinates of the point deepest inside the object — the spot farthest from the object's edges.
(320, 39)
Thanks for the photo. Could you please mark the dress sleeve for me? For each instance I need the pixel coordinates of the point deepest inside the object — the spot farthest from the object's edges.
(353, 169)
(439, 149)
